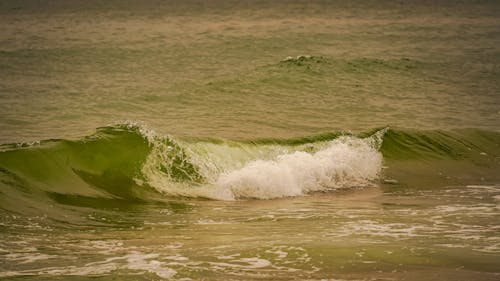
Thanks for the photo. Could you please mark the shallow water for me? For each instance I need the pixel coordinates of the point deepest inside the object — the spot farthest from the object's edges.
(386, 233)
(224, 140)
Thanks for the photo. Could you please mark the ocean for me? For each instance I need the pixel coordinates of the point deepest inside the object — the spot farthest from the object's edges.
(249, 140)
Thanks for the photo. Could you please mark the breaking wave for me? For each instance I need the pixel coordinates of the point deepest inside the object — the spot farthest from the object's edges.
(129, 163)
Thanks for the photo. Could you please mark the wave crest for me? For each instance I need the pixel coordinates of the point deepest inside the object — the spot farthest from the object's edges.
(231, 171)
(346, 162)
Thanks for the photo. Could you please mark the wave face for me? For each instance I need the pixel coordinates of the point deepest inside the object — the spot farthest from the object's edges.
(229, 170)
(129, 163)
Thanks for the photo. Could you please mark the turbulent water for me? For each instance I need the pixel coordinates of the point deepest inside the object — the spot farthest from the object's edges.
(228, 140)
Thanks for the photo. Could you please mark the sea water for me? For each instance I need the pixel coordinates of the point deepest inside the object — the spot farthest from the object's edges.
(221, 140)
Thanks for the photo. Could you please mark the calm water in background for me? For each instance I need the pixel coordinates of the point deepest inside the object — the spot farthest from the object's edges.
(213, 69)
(222, 159)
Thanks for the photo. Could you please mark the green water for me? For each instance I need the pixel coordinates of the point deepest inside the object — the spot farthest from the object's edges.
(216, 70)
(371, 234)
(249, 140)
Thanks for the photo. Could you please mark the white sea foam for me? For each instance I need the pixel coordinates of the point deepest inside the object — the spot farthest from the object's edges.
(243, 263)
(346, 162)
(267, 171)
(136, 261)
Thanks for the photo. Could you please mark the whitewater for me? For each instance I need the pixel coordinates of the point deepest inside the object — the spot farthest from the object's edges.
(249, 140)
(231, 171)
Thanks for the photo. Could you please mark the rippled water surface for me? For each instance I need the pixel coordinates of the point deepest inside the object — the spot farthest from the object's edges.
(219, 69)
(249, 140)
(386, 233)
